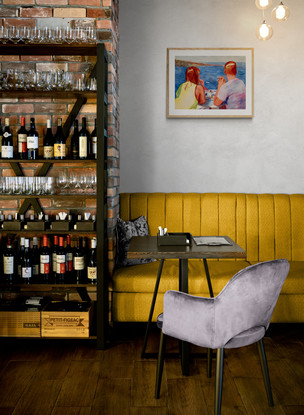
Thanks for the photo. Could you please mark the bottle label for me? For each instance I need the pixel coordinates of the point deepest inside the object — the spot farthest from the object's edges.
(60, 264)
(32, 142)
(44, 264)
(54, 261)
(94, 146)
(7, 152)
(83, 146)
(78, 263)
(22, 143)
(6, 134)
(69, 261)
(8, 264)
(59, 150)
(26, 272)
(48, 152)
(92, 273)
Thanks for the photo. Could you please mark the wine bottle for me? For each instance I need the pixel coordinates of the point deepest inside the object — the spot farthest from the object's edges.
(84, 141)
(7, 147)
(79, 263)
(94, 141)
(32, 142)
(92, 263)
(48, 142)
(60, 261)
(54, 256)
(45, 262)
(69, 260)
(35, 260)
(22, 140)
(75, 142)
(59, 142)
(26, 263)
(1, 136)
(20, 256)
(9, 263)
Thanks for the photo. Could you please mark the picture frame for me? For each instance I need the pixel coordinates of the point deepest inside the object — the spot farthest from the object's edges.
(195, 72)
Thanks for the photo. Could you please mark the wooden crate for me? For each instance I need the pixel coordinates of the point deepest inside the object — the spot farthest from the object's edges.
(65, 323)
(20, 323)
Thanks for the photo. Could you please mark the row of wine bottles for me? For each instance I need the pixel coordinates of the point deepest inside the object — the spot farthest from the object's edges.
(64, 261)
(83, 144)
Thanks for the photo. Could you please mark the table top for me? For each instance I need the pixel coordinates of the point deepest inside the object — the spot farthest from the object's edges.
(146, 247)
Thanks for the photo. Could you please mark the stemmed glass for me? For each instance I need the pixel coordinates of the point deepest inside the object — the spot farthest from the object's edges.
(4, 35)
(62, 182)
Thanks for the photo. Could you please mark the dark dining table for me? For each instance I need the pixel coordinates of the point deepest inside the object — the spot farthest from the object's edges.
(148, 247)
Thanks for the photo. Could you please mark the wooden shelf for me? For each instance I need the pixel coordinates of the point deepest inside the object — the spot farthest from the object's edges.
(50, 196)
(48, 232)
(46, 338)
(38, 287)
(30, 94)
(53, 161)
(85, 49)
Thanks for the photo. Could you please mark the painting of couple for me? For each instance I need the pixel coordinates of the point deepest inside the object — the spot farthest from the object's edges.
(210, 83)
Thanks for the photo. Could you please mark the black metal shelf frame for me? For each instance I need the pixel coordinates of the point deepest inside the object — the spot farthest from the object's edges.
(100, 72)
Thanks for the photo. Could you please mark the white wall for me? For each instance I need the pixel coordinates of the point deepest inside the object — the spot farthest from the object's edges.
(258, 155)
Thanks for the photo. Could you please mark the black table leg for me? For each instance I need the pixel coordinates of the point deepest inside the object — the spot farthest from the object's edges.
(183, 286)
(208, 277)
(160, 268)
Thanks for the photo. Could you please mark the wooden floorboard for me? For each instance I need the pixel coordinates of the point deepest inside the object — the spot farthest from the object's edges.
(63, 377)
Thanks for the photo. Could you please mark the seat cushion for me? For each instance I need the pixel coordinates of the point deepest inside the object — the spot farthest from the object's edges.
(141, 278)
(246, 337)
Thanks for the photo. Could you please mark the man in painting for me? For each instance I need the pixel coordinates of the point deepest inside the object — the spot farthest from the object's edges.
(231, 94)
(192, 92)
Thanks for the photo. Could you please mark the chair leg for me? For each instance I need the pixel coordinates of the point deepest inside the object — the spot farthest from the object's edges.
(160, 364)
(219, 381)
(265, 371)
(209, 363)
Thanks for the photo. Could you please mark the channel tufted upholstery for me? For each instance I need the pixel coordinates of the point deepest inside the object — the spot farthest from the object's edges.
(267, 226)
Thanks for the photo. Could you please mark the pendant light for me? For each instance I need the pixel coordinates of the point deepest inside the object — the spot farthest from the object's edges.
(280, 13)
(264, 31)
(263, 4)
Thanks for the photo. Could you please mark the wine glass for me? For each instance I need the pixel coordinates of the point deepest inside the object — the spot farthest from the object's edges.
(4, 35)
(70, 35)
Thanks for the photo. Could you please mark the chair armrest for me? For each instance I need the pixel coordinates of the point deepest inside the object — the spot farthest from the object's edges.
(189, 318)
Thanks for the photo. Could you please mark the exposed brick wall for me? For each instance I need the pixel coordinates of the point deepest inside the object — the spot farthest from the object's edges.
(102, 14)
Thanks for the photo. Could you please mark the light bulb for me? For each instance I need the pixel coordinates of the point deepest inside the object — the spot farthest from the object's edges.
(280, 13)
(264, 31)
(263, 4)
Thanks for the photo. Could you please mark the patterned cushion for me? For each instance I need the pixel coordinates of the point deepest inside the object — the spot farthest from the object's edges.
(125, 231)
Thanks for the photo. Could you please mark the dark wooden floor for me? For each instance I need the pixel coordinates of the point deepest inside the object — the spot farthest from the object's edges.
(73, 378)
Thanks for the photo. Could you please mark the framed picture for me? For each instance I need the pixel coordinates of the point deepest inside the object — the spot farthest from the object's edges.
(209, 83)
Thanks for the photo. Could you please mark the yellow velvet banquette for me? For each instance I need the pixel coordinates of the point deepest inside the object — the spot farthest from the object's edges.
(267, 226)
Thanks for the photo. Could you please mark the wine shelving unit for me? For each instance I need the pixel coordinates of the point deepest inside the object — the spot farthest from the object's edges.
(100, 73)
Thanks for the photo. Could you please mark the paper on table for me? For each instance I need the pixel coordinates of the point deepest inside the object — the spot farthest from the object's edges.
(211, 240)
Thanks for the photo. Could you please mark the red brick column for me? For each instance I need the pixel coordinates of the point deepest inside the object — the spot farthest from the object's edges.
(102, 14)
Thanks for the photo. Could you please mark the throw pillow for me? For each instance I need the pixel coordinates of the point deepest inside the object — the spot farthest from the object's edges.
(125, 231)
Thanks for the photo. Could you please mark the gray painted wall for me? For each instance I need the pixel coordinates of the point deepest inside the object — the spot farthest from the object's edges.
(259, 155)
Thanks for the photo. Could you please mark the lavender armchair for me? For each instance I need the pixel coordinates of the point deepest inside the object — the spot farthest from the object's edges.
(238, 316)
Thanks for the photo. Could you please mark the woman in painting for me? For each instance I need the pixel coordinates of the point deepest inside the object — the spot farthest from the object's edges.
(192, 92)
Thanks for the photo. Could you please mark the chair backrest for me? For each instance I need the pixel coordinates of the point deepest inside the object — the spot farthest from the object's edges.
(248, 299)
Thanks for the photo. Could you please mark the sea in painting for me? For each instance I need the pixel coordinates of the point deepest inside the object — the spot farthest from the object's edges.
(211, 68)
